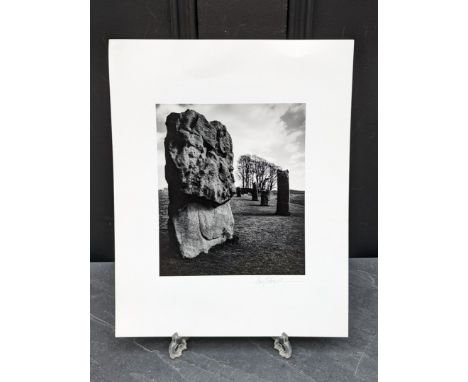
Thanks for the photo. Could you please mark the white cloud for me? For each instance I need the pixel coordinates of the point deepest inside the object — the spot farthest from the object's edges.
(255, 129)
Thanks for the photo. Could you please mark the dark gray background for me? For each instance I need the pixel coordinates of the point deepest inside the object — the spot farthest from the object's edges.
(238, 359)
(240, 19)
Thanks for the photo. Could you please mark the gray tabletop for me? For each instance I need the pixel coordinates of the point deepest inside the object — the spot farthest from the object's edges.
(237, 359)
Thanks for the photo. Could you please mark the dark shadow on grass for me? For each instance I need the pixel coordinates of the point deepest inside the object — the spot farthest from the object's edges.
(261, 213)
(256, 214)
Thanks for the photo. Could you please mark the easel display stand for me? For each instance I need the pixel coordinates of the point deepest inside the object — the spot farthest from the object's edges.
(179, 344)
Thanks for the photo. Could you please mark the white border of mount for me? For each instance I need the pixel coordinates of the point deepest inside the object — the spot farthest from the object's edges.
(146, 72)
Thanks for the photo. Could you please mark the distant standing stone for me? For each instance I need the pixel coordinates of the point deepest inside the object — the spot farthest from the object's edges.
(254, 192)
(238, 192)
(199, 173)
(282, 201)
(264, 198)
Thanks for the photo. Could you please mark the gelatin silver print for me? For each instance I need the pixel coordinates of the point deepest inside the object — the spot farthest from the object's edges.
(231, 181)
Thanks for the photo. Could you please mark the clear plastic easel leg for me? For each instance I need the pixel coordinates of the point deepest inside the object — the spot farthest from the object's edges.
(283, 346)
(177, 346)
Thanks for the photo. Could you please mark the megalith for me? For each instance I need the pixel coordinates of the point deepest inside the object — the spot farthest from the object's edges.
(254, 192)
(238, 192)
(282, 200)
(199, 174)
(264, 197)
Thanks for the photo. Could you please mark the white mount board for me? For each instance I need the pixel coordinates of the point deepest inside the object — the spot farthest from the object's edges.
(144, 73)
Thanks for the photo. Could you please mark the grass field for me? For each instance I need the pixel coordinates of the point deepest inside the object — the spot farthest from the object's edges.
(267, 244)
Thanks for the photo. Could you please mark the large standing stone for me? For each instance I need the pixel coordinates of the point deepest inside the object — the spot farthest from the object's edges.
(238, 192)
(199, 173)
(254, 192)
(282, 202)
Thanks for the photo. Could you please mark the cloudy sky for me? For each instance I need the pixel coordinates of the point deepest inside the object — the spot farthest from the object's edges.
(275, 132)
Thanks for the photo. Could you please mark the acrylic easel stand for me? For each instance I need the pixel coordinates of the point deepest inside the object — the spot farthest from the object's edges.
(283, 346)
(179, 344)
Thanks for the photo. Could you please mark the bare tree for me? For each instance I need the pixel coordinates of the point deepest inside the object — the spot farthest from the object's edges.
(260, 166)
(254, 169)
(243, 169)
(272, 175)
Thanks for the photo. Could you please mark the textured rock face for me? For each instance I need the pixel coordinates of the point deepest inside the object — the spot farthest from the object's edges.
(282, 202)
(199, 173)
(198, 227)
(198, 157)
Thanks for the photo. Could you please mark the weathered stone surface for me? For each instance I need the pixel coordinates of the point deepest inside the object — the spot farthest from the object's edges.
(199, 173)
(198, 158)
(282, 203)
(198, 227)
(254, 192)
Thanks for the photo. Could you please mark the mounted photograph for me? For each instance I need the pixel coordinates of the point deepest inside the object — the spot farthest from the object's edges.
(231, 186)
(231, 189)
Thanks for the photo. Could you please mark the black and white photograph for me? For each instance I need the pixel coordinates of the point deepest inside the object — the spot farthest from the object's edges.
(231, 189)
(209, 199)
